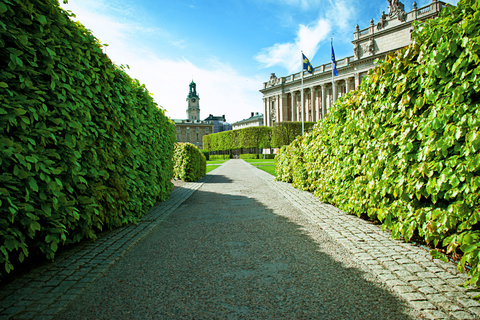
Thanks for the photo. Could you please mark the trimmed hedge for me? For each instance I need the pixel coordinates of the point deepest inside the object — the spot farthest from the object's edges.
(83, 147)
(280, 134)
(283, 133)
(206, 154)
(189, 162)
(404, 148)
(246, 138)
(250, 156)
(219, 156)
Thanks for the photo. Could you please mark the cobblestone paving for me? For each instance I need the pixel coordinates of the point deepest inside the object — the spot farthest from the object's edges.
(45, 291)
(431, 286)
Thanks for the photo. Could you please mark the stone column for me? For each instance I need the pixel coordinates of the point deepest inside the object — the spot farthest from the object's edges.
(317, 105)
(312, 99)
(277, 108)
(348, 82)
(304, 107)
(283, 106)
(357, 80)
(299, 106)
(294, 104)
(324, 101)
(265, 109)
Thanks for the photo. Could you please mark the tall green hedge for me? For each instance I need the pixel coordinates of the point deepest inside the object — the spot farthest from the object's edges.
(404, 148)
(246, 138)
(283, 133)
(83, 147)
(189, 162)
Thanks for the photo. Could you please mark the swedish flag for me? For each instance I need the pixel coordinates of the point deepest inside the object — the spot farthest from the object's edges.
(307, 65)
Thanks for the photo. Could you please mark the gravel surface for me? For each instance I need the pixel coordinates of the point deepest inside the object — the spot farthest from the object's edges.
(236, 249)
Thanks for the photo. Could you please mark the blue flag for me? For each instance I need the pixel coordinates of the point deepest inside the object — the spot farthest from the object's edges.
(306, 65)
(334, 63)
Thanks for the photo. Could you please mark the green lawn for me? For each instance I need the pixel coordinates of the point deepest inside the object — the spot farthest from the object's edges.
(211, 167)
(267, 165)
(213, 164)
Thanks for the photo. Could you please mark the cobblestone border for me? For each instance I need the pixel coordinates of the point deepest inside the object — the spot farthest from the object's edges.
(45, 291)
(432, 287)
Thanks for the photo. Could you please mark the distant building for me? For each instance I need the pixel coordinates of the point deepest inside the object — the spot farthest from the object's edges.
(193, 129)
(282, 96)
(220, 124)
(255, 120)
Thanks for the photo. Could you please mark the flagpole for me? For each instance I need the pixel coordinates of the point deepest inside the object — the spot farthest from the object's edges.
(303, 128)
(333, 80)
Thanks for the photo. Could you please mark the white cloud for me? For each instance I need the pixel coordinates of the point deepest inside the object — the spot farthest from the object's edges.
(341, 14)
(308, 38)
(288, 54)
(222, 90)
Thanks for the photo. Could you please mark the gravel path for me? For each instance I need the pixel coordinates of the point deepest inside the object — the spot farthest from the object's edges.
(237, 249)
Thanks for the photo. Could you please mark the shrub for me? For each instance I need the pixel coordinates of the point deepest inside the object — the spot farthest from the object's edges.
(219, 156)
(206, 154)
(189, 162)
(246, 138)
(404, 148)
(250, 156)
(83, 146)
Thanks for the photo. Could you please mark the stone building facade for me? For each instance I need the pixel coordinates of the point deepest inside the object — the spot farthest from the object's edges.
(220, 123)
(193, 129)
(255, 120)
(282, 96)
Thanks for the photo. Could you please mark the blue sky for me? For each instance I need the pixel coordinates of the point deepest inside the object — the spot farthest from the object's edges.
(229, 48)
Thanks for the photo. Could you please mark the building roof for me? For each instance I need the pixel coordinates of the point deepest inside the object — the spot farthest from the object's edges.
(255, 116)
(211, 117)
(195, 122)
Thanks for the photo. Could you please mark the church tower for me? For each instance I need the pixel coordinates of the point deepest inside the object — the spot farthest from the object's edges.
(193, 104)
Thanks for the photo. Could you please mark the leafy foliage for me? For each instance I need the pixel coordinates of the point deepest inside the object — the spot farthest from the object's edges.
(283, 133)
(206, 154)
(404, 148)
(250, 156)
(83, 146)
(189, 162)
(251, 137)
(219, 156)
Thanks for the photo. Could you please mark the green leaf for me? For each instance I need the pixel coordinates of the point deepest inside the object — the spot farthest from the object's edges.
(33, 184)
(42, 19)
(35, 226)
(3, 84)
(466, 248)
(54, 246)
(31, 159)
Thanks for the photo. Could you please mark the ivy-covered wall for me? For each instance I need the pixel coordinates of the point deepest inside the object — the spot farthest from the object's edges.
(405, 147)
(83, 147)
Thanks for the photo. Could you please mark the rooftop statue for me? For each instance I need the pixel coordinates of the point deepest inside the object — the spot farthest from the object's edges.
(396, 9)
